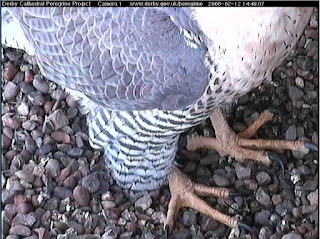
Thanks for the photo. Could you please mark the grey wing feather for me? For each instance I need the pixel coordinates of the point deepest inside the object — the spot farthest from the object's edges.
(121, 58)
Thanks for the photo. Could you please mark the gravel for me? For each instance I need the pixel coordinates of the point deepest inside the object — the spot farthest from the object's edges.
(54, 185)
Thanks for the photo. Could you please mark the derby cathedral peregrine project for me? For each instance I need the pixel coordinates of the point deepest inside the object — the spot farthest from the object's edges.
(144, 75)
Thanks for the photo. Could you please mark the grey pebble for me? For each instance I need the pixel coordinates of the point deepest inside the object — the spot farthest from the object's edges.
(10, 91)
(276, 199)
(144, 202)
(29, 125)
(211, 159)
(8, 132)
(84, 169)
(72, 113)
(203, 171)
(190, 167)
(265, 233)
(23, 208)
(310, 185)
(60, 225)
(15, 186)
(284, 208)
(189, 218)
(91, 182)
(71, 103)
(62, 192)
(263, 197)
(181, 233)
(34, 236)
(129, 216)
(36, 98)
(51, 204)
(11, 236)
(64, 148)
(45, 149)
(242, 172)
(311, 95)
(70, 182)
(26, 175)
(10, 154)
(220, 180)
(295, 93)
(48, 140)
(58, 119)
(81, 195)
(108, 204)
(251, 184)
(18, 77)
(75, 152)
(10, 209)
(292, 235)
(6, 142)
(53, 167)
(79, 142)
(238, 127)
(14, 55)
(300, 132)
(25, 219)
(125, 235)
(158, 217)
(208, 224)
(298, 154)
(308, 209)
(40, 84)
(262, 217)
(76, 226)
(263, 178)
(26, 88)
(296, 212)
(291, 133)
(275, 219)
(67, 129)
(64, 174)
(288, 194)
(23, 109)
(58, 94)
(20, 230)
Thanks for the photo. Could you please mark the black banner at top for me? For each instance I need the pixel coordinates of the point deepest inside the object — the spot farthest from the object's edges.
(159, 3)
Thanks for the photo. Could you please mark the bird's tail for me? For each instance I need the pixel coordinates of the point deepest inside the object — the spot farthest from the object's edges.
(12, 34)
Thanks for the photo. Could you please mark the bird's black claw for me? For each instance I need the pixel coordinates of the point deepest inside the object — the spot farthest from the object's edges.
(167, 231)
(311, 146)
(245, 226)
(233, 193)
(275, 157)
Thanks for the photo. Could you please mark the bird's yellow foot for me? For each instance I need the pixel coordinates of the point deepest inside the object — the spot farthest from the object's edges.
(240, 146)
(184, 193)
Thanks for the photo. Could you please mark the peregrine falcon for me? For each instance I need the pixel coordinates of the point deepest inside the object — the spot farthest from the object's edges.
(145, 75)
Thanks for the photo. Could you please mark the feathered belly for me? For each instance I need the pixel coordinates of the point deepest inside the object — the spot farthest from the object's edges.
(140, 146)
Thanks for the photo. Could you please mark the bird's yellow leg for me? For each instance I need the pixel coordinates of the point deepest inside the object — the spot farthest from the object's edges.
(184, 193)
(239, 146)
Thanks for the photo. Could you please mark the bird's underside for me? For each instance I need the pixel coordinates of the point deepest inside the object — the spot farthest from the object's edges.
(145, 75)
